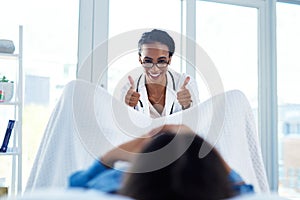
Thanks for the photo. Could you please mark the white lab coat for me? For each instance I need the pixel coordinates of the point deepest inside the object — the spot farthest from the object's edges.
(171, 94)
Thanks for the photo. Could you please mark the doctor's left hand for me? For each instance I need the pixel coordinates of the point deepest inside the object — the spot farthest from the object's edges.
(184, 96)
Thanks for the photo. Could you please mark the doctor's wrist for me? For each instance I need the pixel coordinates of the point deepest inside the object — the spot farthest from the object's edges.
(188, 106)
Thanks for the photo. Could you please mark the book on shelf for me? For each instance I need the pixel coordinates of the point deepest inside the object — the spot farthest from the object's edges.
(7, 135)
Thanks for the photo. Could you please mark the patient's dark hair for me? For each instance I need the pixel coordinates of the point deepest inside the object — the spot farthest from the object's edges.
(189, 177)
(157, 36)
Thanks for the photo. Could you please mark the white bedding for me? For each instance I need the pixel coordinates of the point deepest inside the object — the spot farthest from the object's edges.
(88, 121)
(79, 194)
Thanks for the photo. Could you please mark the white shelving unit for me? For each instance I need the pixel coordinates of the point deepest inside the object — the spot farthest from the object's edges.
(15, 106)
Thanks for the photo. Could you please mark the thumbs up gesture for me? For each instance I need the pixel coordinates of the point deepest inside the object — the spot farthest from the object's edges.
(132, 97)
(183, 95)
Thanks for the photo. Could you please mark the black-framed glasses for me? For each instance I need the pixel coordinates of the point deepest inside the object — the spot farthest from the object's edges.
(159, 64)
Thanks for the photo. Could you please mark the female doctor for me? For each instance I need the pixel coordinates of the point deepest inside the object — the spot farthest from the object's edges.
(159, 91)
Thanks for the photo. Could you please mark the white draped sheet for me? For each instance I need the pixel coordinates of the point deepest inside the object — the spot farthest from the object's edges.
(87, 122)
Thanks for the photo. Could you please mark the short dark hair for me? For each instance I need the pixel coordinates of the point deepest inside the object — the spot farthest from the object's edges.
(157, 36)
(189, 177)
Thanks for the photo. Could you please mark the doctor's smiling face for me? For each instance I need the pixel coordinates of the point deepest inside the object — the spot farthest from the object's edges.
(155, 59)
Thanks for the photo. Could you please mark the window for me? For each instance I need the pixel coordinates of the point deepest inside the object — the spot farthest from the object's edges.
(231, 42)
(288, 70)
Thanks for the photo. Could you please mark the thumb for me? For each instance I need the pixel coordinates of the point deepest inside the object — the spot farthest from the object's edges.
(186, 81)
(131, 81)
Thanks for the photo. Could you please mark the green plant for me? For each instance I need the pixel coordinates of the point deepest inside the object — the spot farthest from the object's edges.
(4, 79)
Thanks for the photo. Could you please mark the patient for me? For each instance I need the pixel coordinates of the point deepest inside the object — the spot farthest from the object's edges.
(187, 177)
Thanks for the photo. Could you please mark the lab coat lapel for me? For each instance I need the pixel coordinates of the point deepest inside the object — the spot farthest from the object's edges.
(170, 95)
(144, 95)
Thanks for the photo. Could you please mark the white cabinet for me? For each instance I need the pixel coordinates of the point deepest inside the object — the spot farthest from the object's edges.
(11, 161)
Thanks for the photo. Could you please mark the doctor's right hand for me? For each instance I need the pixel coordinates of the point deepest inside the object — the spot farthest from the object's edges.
(132, 97)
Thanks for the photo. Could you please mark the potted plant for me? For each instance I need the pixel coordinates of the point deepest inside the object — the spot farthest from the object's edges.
(6, 89)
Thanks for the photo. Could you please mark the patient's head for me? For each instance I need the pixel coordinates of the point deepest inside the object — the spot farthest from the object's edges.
(188, 177)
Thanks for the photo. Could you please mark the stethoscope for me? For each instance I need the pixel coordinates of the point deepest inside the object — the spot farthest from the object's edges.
(137, 90)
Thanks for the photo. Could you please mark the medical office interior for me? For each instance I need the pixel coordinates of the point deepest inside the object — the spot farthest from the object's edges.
(254, 45)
